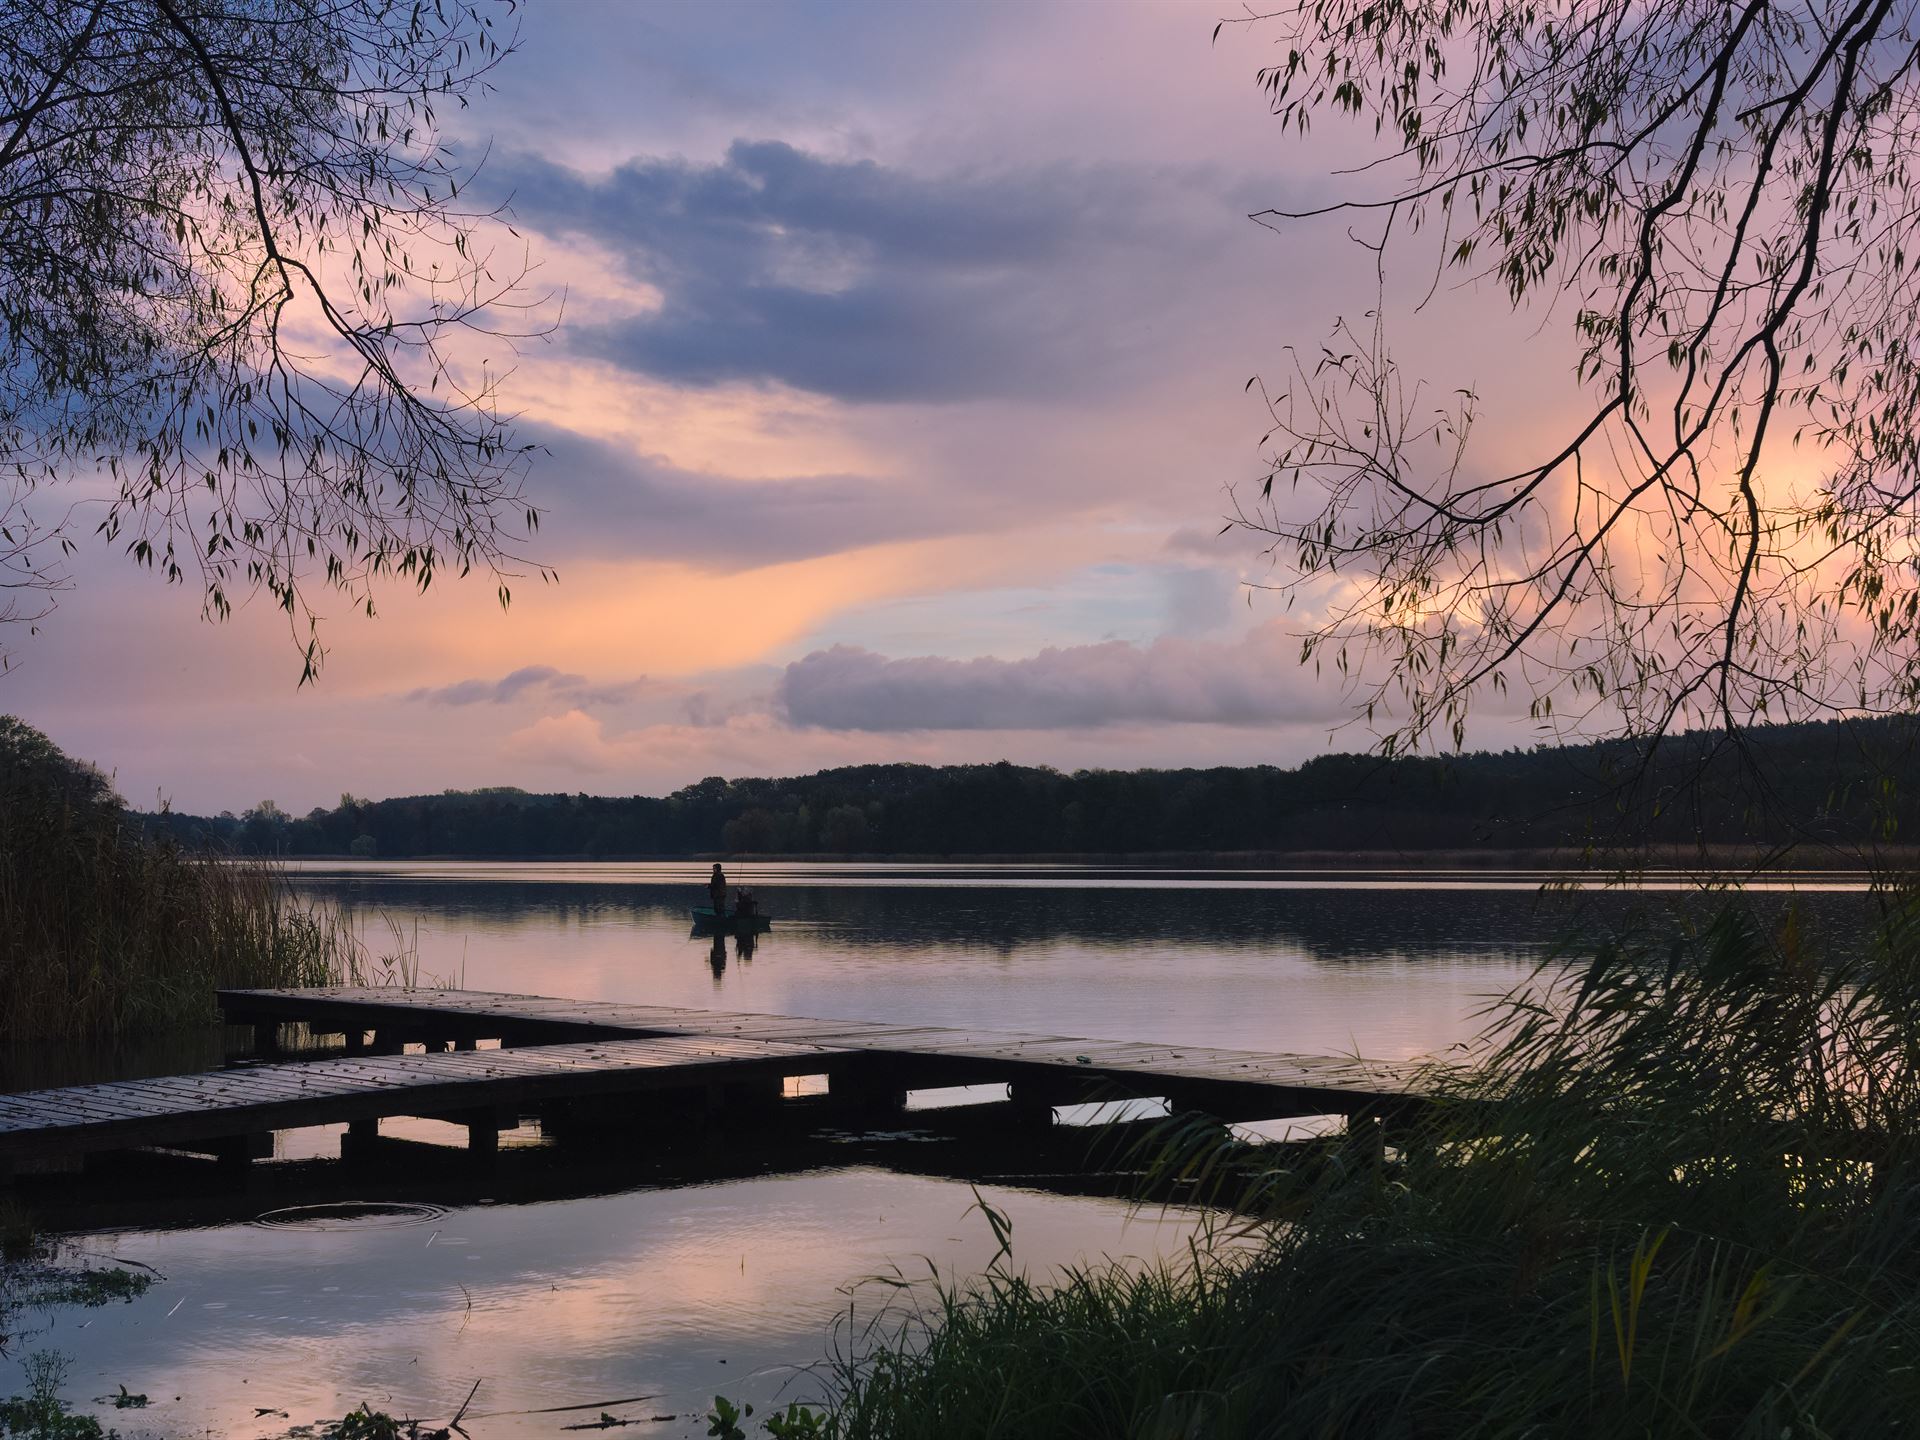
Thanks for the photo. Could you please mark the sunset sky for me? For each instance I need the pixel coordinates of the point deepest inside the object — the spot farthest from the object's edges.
(892, 418)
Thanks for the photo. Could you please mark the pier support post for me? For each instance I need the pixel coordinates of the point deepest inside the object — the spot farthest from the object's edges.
(483, 1130)
(235, 1154)
(361, 1137)
(871, 1090)
(1032, 1104)
(483, 1139)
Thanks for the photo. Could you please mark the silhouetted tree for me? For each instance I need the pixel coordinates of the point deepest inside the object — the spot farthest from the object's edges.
(232, 258)
(1548, 796)
(1717, 197)
(844, 829)
(751, 831)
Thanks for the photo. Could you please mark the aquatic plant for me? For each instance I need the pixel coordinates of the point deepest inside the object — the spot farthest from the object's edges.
(363, 1422)
(727, 1420)
(1674, 1194)
(41, 1414)
(105, 932)
(797, 1422)
(36, 1275)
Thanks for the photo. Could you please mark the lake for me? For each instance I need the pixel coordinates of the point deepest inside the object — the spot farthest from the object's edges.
(648, 1299)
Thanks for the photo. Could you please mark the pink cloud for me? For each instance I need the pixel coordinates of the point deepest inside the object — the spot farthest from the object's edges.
(1255, 680)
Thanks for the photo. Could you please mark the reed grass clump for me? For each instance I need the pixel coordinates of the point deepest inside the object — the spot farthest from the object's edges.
(106, 933)
(1676, 1193)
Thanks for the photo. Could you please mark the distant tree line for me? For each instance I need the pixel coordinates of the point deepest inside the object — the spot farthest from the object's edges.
(1828, 782)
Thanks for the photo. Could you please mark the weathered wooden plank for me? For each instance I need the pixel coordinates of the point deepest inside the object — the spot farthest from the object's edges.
(14, 1116)
(90, 1099)
(596, 1049)
(120, 1100)
(217, 1089)
(177, 1109)
(1345, 1076)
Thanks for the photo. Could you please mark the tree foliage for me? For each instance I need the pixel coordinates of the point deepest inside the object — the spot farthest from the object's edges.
(1835, 798)
(36, 774)
(106, 931)
(1719, 199)
(244, 305)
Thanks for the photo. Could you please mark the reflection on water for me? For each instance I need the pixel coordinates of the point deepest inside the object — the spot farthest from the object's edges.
(675, 1294)
(672, 1295)
(1389, 966)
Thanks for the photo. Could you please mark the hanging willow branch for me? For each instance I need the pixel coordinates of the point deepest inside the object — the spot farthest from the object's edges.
(1722, 199)
(242, 298)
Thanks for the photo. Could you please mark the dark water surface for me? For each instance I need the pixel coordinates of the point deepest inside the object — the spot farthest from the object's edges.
(1386, 965)
(677, 1293)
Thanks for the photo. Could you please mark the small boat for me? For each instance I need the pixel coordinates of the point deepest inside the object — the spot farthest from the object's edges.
(705, 922)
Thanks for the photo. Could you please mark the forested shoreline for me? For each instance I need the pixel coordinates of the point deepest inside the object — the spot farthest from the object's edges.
(1837, 784)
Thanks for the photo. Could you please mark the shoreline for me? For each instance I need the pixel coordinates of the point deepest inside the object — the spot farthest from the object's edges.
(1713, 859)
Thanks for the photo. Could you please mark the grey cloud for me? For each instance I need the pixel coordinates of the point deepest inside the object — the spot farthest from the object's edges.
(507, 687)
(867, 282)
(1257, 680)
(710, 709)
(542, 680)
(605, 501)
(1209, 542)
(1199, 598)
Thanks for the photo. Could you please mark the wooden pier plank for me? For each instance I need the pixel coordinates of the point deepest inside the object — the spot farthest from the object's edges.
(579, 1049)
(184, 1108)
(1349, 1079)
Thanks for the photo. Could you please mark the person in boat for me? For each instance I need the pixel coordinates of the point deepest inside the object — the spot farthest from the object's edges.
(745, 907)
(717, 892)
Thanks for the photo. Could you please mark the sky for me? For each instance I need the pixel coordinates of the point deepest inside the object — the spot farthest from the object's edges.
(894, 412)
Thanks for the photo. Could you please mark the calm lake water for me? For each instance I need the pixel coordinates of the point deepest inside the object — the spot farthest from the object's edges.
(675, 1292)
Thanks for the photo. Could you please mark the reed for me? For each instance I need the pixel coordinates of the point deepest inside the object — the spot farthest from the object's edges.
(107, 933)
(1676, 1192)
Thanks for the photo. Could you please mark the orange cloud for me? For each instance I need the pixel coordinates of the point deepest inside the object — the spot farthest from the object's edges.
(668, 619)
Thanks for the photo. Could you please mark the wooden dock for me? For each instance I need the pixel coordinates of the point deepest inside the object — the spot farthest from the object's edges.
(924, 1056)
(486, 1090)
(604, 1063)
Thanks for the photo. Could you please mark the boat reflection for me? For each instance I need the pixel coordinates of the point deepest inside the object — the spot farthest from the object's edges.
(744, 943)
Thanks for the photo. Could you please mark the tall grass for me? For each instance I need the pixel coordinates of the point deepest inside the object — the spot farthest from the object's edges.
(1676, 1194)
(105, 933)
